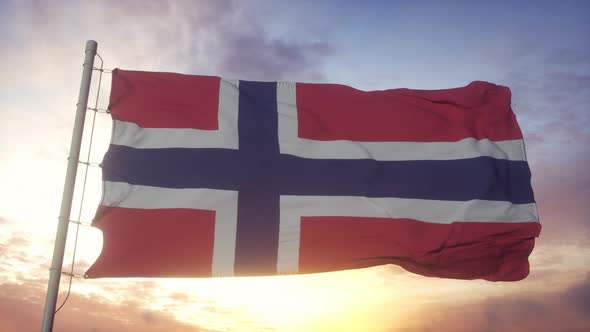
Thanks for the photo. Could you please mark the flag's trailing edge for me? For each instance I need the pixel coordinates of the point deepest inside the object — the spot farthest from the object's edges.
(212, 177)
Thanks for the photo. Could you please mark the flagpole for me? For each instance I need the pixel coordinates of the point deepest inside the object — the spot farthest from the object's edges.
(68, 193)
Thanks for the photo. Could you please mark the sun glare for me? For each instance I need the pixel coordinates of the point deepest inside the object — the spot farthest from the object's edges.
(322, 302)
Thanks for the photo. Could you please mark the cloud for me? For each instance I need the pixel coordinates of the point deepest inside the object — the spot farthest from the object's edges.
(253, 56)
(18, 241)
(21, 308)
(579, 297)
(14, 249)
(567, 310)
(568, 57)
(551, 90)
(220, 38)
(551, 96)
(211, 37)
(562, 190)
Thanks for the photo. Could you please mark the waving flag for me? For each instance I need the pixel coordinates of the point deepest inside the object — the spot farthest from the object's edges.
(213, 177)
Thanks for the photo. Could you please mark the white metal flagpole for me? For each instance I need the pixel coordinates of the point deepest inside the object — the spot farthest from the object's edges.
(68, 193)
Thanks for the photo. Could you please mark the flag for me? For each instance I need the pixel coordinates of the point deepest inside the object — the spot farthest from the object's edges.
(206, 176)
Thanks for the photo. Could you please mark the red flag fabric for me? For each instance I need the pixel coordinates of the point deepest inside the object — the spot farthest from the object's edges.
(213, 177)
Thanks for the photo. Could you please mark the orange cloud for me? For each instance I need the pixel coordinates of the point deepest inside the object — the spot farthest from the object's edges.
(21, 308)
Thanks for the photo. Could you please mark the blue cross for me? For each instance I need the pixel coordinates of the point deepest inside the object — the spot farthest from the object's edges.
(261, 174)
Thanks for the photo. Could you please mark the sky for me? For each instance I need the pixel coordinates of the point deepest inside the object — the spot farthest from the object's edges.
(540, 49)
